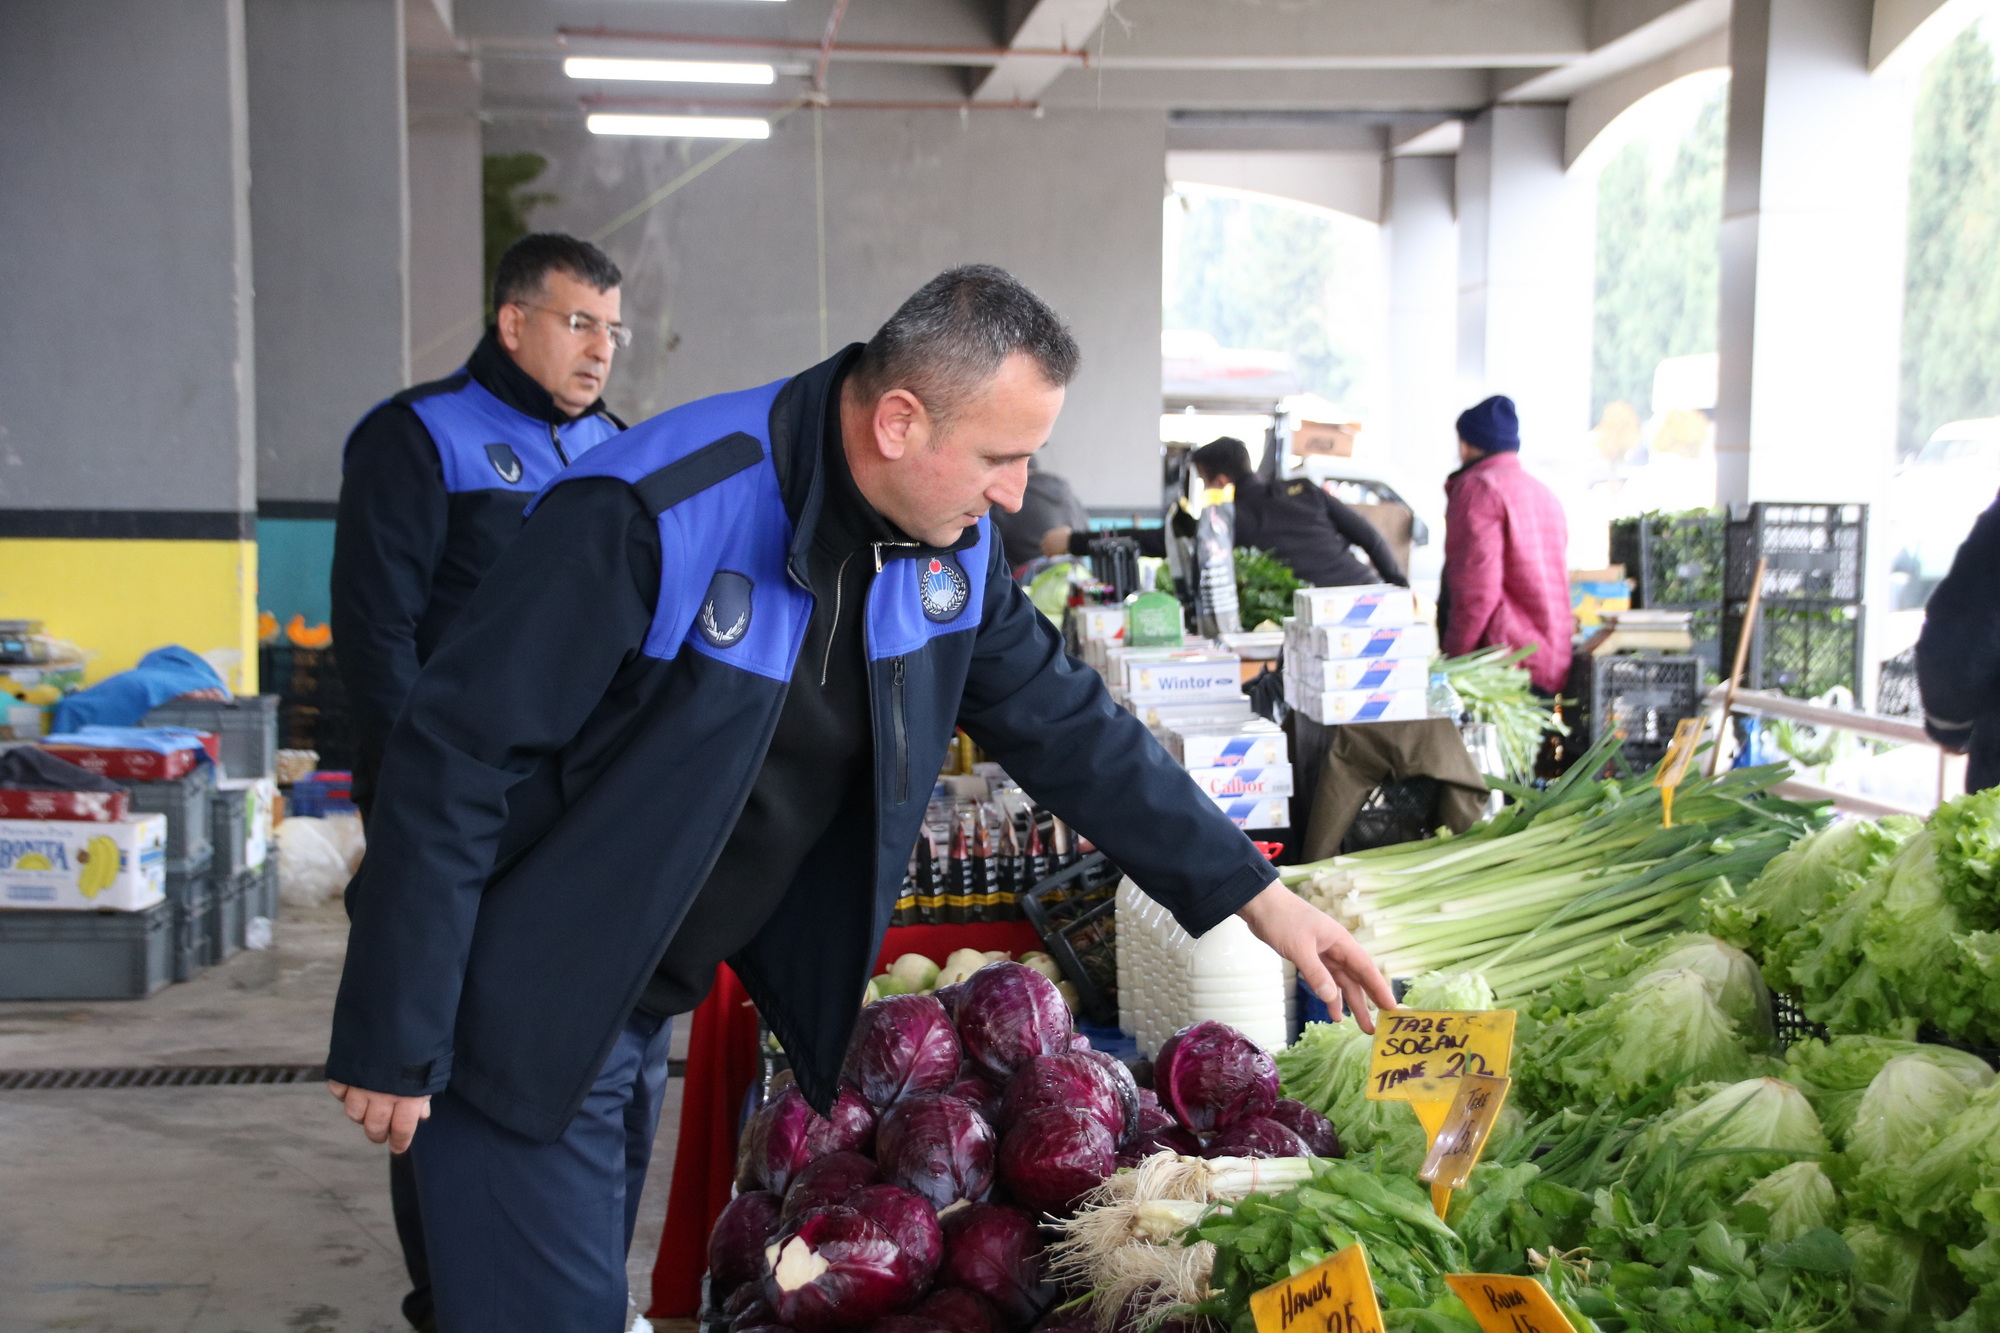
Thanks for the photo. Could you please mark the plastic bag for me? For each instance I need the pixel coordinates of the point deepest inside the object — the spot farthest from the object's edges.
(313, 858)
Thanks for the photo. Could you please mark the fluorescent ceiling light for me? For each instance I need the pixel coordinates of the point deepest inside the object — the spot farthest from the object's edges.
(681, 127)
(669, 71)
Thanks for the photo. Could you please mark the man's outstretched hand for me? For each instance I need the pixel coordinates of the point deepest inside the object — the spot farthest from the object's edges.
(383, 1117)
(1328, 959)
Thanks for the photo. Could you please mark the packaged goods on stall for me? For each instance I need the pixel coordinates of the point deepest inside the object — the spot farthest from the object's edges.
(1252, 743)
(1199, 713)
(1346, 642)
(1369, 605)
(1207, 676)
(1333, 708)
(1361, 673)
(83, 865)
(1237, 783)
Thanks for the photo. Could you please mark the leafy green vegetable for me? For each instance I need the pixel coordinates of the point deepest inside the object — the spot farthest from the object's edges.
(1739, 984)
(1968, 839)
(1737, 1134)
(1663, 1030)
(1956, 1180)
(1495, 689)
(1264, 587)
(1506, 1210)
(1796, 1198)
(1900, 1116)
(1327, 1069)
(1802, 883)
(1448, 990)
(1834, 1074)
(1904, 1281)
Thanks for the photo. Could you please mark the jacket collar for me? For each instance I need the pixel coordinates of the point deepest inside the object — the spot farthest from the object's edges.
(1494, 462)
(501, 376)
(804, 427)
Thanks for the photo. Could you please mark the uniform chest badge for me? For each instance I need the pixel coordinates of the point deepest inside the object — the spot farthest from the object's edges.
(505, 461)
(942, 588)
(725, 613)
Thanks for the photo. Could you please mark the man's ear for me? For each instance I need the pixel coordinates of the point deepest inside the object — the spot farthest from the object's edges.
(510, 318)
(901, 424)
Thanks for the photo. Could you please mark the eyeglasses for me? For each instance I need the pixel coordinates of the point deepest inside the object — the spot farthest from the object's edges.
(588, 326)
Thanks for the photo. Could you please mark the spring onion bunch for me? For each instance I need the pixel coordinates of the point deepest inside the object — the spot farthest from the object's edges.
(1494, 688)
(1523, 897)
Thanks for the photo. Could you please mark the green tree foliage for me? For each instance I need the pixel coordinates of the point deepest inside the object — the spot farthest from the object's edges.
(1261, 275)
(1659, 219)
(1951, 315)
(507, 204)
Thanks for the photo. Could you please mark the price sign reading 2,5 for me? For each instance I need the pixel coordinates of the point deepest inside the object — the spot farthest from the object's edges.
(1505, 1304)
(1420, 1054)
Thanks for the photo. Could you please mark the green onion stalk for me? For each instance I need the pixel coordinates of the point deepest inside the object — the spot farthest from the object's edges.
(1495, 689)
(1558, 875)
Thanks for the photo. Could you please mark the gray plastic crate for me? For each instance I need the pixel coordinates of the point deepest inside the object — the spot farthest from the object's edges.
(185, 803)
(85, 955)
(264, 898)
(228, 911)
(228, 825)
(247, 726)
(191, 894)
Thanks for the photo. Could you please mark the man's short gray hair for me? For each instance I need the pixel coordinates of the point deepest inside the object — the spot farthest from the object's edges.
(948, 340)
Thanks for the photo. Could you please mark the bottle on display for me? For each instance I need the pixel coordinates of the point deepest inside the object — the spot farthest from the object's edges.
(1443, 700)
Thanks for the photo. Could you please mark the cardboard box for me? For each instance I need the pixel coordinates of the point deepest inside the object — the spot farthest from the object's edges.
(102, 807)
(137, 765)
(1338, 643)
(1209, 677)
(1275, 780)
(1190, 713)
(83, 866)
(1252, 744)
(1256, 812)
(1373, 605)
(1098, 623)
(1362, 673)
(1333, 708)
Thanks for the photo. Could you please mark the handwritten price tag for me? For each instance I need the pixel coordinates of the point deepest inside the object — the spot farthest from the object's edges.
(1455, 1150)
(1420, 1054)
(1333, 1296)
(1504, 1304)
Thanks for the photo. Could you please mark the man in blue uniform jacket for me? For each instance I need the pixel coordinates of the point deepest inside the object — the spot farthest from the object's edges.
(693, 715)
(435, 483)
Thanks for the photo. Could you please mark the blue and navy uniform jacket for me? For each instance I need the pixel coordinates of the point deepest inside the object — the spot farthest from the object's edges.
(576, 753)
(435, 484)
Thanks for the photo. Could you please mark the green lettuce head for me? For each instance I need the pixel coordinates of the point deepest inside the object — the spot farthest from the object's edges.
(1744, 1131)
(1798, 1198)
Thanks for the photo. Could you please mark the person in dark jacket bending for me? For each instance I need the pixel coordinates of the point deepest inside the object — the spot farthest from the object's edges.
(694, 715)
(1958, 655)
(434, 486)
(1312, 532)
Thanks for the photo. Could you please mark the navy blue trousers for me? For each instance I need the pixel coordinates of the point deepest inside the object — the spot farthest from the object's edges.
(527, 1237)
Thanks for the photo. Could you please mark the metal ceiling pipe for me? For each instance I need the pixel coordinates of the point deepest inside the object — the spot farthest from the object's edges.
(884, 52)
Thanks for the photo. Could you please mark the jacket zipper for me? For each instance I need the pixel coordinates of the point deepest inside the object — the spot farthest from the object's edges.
(556, 440)
(902, 731)
(881, 546)
(839, 588)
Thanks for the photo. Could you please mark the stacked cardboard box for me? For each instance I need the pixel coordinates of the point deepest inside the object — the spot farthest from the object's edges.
(1357, 655)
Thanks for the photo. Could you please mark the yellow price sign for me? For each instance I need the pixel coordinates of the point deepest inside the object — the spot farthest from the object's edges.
(1456, 1148)
(1674, 766)
(1506, 1304)
(1420, 1054)
(1336, 1295)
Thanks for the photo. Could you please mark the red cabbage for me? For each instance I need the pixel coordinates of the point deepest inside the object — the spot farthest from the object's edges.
(787, 1134)
(948, 997)
(1168, 1137)
(938, 1146)
(1314, 1130)
(749, 1298)
(736, 1244)
(1211, 1075)
(1128, 1093)
(972, 1086)
(961, 1310)
(1147, 1097)
(829, 1180)
(1072, 1079)
(1009, 1014)
(1255, 1136)
(1052, 1156)
(995, 1250)
(1079, 1042)
(902, 1045)
(835, 1268)
(909, 1222)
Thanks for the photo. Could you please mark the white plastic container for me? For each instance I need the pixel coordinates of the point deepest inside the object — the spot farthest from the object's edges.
(1168, 980)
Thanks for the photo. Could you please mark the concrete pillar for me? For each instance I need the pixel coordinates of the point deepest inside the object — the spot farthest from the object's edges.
(1525, 265)
(1420, 239)
(127, 360)
(447, 307)
(1812, 256)
(329, 205)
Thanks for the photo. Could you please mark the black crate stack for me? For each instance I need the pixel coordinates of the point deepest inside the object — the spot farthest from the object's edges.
(1808, 638)
(312, 702)
(1678, 562)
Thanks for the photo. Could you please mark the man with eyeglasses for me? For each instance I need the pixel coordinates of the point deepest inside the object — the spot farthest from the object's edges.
(435, 485)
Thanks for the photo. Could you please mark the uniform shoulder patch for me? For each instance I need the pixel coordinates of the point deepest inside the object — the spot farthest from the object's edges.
(942, 588)
(725, 613)
(1297, 488)
(505, 462)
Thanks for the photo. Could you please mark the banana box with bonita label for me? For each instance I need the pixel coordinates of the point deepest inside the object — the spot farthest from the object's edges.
(78, 866)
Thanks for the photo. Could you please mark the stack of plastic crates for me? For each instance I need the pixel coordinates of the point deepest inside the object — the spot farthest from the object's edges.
(1808, 638)
(312, 702)
(1678, 562)
(1640, 696)
(1896, 693)
(1074, 911)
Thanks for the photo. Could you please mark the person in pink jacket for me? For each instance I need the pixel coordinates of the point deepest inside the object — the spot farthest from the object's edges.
(1506, 551)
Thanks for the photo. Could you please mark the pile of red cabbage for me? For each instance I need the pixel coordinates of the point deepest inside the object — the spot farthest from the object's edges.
(961, 1118)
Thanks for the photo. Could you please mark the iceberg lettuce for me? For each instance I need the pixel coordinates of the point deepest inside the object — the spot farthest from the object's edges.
(1798, 1198)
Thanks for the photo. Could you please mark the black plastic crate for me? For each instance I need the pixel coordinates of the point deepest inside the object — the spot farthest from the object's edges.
(1789, 1024)
(1896, 693)
(1675, 561)
(246, 726)
(1400, 810)
(1641, 696)
(85, 955)
(185, 803)
(1800, 651)
(1813, 552)
(1074, 911)
(191, 895)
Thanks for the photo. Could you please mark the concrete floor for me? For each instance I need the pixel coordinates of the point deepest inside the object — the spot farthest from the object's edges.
(210, 1210)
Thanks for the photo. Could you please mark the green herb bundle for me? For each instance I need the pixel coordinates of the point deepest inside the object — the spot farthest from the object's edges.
(1495, 689)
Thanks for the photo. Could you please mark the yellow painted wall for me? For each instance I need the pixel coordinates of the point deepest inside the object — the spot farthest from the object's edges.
(118, 600)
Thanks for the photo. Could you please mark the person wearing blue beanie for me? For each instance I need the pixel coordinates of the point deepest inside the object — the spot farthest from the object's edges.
(1492, 427)
(1506, 581)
